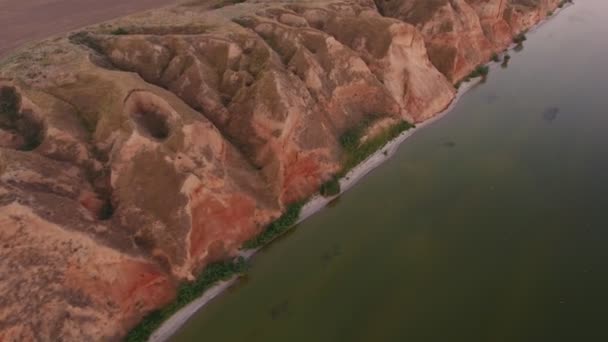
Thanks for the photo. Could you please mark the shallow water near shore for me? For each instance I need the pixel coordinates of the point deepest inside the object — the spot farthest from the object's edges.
(489, 225)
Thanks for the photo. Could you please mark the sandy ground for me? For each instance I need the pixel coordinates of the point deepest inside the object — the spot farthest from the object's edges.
(23, 21)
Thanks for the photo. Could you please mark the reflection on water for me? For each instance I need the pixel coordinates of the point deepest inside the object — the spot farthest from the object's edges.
(489, 225)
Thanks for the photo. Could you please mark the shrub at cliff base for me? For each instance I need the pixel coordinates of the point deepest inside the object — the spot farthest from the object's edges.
(278, 227)
(331, 187)
(480, 71)
(212, 274)
(505, 61)
(357, 152)
(187, 293)
(351, 138)
(520, 38)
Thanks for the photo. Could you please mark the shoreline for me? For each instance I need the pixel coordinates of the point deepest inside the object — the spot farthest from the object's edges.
(318, 202)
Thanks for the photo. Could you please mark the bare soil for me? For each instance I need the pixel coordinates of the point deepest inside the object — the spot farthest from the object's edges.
(28, 20)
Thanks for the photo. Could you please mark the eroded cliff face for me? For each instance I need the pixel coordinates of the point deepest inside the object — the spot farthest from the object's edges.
(136, 152)
(462, 34)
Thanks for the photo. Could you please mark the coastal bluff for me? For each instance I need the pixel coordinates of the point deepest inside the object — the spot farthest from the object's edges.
(136, 152)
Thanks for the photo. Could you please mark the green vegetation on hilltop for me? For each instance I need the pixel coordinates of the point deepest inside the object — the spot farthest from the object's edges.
(119, 32)
(86, 39)
(9, 101)
(224, 3)
(23, 124)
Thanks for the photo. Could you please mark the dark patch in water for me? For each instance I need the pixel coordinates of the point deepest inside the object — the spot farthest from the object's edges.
(550, 114)
(284, 235)
(334, 202)
(576, 19)
(334, 252)
(279, 309)
(491, 98)
(449, 144)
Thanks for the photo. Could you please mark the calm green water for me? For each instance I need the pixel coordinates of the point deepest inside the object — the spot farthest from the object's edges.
(490, 225)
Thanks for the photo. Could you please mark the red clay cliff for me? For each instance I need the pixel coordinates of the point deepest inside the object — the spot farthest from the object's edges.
(135, 152)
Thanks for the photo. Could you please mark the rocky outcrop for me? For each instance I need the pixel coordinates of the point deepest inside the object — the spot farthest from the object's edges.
(461, 34)
(452, 31)
(393, 50)
(136, 152)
